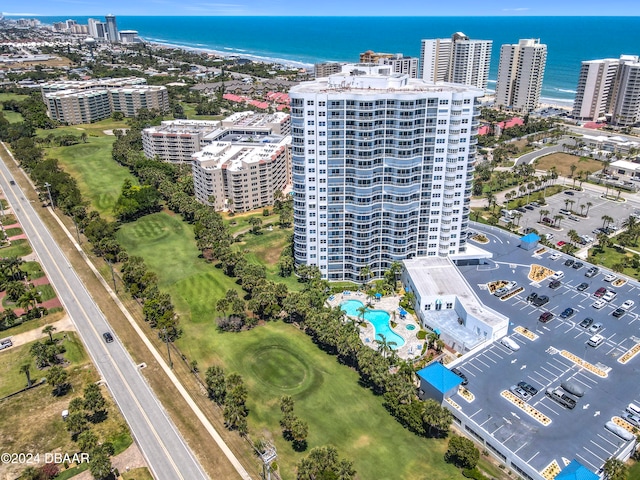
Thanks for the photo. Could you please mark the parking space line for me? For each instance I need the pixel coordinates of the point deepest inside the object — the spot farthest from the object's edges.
(493, 433)
(532, 457)
(553, 375)
(542, 404)
(595, 468)
(487, 357)
(520, 447)
(594, 454)
(475, 413)
(546, 380)
(587, 378)
(480, 361)
(561, 370)
(608, 441)
(471, 364)
(600, 447)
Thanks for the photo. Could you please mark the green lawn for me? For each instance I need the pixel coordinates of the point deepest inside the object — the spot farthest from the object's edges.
(99, 177)
(12, 117)
(277, 359)
(12, 232)
(612, 256)
(12, 96)
(33, 269)
(634, 472)
(18, 248)
(190, 112)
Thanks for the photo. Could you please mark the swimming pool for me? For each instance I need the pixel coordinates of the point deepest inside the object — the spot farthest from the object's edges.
(378, 318)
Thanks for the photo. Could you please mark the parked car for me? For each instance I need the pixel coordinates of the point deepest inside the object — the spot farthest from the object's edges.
(568, 262)
(569, 192)
(529, 207)
(595, 341)
(586, 323)
(598, 304)
(610, 295)
(599, 292)
(557, 275)
(628, 304)
(555, 256)
(631, 418)
(577, 265)
(532, 296)
(520, 393)
(535, 204)
(546, 317)
(555, 284)
(465, 380)
(540, 300)
(595, 328)
(618, 312)
(528, 388)
(582, 287)
(521, 209)
(561, 243)
(510, 343)
(592, 272)
(567, 312)
(610, 277)
(564, 211)
(6, 343)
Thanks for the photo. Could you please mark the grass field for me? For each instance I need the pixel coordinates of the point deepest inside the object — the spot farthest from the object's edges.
(46, 432)
(612, 256)
(634, 472)
(190, 112)
(99, 178)
(18, 248)
(277, 359)
(33, 269)
(36, 323)
(12, 117)
(12, 232)
(563, 162)
(11, 96)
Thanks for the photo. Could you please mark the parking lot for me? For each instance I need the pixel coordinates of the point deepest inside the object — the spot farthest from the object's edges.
(549, 354)
(584, 226)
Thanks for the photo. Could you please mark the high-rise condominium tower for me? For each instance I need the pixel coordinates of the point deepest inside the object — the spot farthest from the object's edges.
(520, 74)
(595, 88)
(457, 59)
(112, 29)
(382, 169)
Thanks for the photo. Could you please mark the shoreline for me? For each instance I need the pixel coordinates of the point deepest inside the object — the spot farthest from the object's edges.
(545, 102)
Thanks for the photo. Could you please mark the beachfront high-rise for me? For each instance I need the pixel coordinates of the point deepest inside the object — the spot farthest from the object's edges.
(457, 59)
(595, 89)
(382, 169)
(520, 74)
(609, 89)
(112, 29)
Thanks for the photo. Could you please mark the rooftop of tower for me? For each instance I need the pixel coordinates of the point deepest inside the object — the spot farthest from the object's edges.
(367, 78)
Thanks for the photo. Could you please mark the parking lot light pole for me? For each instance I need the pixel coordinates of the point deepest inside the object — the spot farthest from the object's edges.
(48, 185)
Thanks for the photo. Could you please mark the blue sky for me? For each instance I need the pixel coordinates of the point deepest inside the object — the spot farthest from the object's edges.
(322, 7)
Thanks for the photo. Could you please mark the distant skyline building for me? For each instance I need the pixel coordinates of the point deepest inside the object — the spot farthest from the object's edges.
(397, 61)
(382, 169)
(112, 29)
(325, 69)
(520, 74)
(97, 28)
(625, 110)
(457, 60)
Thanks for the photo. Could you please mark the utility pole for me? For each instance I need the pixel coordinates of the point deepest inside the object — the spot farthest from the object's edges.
(166, 339)
(48, 185)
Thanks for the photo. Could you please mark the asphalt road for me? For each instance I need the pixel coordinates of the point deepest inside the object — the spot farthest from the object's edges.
(162, 446)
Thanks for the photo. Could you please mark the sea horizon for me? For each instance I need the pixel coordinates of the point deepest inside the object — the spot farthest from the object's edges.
(302, 41)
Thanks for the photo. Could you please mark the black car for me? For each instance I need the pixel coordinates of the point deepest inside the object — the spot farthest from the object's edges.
(578, 265)
(618, 312)
(532, 296)
(12, 182)
(545, 317)
(567, 312)
(528, 207)
(521, 209)
(465, 380)
(582, 287)
(586, 323)
(569, 262)
(555, 284)
(540, 300)
(107, 337)
(528, 388)
(569, 192)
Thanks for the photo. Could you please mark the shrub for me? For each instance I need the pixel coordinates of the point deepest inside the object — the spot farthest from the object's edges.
(473, 473)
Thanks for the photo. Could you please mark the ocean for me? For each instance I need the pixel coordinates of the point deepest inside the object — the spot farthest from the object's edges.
(306, 40)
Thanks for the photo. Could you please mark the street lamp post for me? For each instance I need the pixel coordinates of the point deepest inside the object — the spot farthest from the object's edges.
(166, 339)
(48, 185)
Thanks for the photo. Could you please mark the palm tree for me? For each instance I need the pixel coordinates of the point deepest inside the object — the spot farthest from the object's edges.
(365, 274)
(361, 312)
(632, 225)
(385, 346)
(589, 205)
(573, 236)
(557, 219)
(606, 220)
(26, 370)
(48, 330)
(543, 212)
(582, 205)
(491, 199)
(614, 469)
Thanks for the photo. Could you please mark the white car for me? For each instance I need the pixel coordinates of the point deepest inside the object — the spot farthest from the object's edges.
(555, 256)
(610, 278)
(558, 275)
(599, 304)
(627, 305)
(610, 295)
(595, 341)
(510, 344)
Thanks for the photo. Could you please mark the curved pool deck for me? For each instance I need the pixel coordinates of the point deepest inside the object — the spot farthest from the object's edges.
(411, 348)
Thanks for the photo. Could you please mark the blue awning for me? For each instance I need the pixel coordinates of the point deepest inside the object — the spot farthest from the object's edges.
(403, 312)
(378, 295)
(436, 331)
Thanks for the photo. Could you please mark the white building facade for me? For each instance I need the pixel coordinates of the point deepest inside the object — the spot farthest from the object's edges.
(457, 60)
(382, 169)
(520, 74)
(595, 87)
